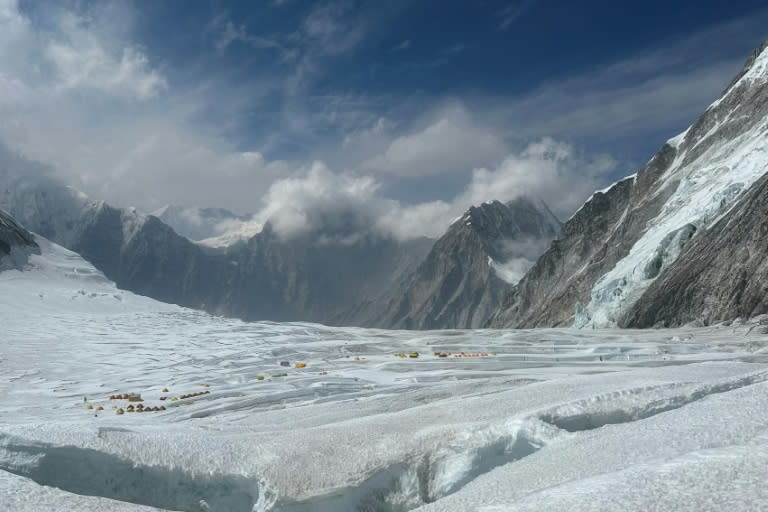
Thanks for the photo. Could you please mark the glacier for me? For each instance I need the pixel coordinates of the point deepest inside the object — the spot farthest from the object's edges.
(484, 420)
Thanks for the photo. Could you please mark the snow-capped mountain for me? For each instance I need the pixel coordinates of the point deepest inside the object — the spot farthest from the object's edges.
(614, 248)
(468, 270)
(137, 251)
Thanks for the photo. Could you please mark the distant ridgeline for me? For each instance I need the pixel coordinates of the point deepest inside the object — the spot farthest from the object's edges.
(684, 240)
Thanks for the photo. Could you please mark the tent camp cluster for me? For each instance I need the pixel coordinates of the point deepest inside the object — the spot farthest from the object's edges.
(192, 395)
(441, 354)
(298, 365)
(135, 401)
(139, 408)
(461, 355)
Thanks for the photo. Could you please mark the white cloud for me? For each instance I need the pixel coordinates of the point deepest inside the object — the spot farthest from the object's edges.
(412, 221)
(350, 206)
(340, 207)
(91, 67)
(584, 107)
(547, 169)
(193, 172)
(129, 144)
(550, 170)
(512, 271)
(142, 142)
(452, 143)
(73, 55)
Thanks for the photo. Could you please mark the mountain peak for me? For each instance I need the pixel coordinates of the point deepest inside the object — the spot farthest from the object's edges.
(468, 270)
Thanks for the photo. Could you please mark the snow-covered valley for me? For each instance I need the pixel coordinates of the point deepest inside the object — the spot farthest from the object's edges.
(480, 420)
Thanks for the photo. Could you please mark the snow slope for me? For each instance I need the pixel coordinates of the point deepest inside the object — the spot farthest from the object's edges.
(523, 420)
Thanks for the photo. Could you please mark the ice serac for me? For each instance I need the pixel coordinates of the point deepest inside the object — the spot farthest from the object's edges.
(465, 275)
(16, 243)
(721, 274)
(614, 248)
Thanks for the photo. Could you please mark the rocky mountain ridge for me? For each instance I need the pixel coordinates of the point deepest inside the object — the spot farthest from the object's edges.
(613, 249)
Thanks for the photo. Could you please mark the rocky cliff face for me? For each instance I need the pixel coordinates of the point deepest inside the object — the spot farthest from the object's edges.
(16, 243)
(721, 274)
(468, 270)
(613, 249)
(142, 254)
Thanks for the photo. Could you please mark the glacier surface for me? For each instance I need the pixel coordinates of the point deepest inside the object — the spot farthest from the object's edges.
(557, 419)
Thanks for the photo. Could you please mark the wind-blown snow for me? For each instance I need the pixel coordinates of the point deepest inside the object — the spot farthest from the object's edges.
(522, 420)
(511, 271)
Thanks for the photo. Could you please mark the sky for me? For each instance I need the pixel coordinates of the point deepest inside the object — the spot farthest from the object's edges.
(396, 114)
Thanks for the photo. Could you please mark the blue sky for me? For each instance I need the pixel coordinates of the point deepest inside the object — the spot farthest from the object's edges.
(413, 109)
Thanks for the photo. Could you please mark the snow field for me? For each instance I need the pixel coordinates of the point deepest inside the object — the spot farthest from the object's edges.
(554, 417)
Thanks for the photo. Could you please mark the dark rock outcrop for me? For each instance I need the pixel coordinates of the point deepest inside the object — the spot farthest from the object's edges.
(16, 243)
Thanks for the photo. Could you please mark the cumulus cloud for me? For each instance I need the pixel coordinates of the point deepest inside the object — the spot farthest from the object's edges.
(547, 169)
(551, 170)
(341, 207)
(352, 206)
